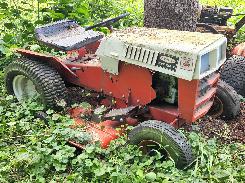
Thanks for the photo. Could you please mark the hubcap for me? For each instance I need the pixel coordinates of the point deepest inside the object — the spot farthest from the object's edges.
(150, 147)
(217, 108)
(24, 88)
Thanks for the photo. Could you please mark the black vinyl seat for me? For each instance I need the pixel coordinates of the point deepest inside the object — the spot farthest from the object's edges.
(66, 35)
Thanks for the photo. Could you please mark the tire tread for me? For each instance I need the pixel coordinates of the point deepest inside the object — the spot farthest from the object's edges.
(48, 80)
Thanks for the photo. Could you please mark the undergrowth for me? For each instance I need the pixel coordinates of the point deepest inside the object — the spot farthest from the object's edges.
(34, 151)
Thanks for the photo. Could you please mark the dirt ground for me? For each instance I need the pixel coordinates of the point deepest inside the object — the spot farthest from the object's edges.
(226, 131)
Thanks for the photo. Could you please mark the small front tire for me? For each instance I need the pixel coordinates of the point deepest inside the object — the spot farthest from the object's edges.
(158, 136)
(226, 102)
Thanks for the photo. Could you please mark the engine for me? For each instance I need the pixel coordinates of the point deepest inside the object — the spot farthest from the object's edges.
(165, 87)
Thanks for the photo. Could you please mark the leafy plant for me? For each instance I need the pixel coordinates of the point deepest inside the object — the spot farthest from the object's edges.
(32, 150)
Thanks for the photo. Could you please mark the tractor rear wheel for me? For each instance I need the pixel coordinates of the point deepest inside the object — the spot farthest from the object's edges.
(26, 79)
(156, 136)
(233, 73)
(226, 102)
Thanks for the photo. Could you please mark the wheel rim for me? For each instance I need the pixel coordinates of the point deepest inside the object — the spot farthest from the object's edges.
(150, 147)
(24, 88)
(217, 108)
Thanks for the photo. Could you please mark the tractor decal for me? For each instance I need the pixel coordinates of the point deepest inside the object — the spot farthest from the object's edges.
(186, 63)
(167, 62)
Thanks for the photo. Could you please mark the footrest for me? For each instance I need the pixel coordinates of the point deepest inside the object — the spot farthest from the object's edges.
(66, 35)
(120, 112)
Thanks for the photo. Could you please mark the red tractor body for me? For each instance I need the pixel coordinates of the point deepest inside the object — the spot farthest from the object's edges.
(133, 86)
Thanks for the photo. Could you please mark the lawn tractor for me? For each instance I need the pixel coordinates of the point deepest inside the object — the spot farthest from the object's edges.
(214, 19)
(153, 79)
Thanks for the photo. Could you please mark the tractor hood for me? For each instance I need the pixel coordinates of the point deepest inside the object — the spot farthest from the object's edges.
(186, 55)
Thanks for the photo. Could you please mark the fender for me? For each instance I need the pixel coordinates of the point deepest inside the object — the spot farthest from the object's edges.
(239, 50)
(55, 62)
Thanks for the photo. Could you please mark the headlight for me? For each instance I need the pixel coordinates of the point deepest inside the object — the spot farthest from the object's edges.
(205, 66)
(221, 52)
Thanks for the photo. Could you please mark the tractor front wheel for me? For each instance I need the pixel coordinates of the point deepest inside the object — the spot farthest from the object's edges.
(26, 79)
(226, 102)
(156, 136)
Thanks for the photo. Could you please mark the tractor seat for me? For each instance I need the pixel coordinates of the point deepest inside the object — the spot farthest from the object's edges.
(66, 35)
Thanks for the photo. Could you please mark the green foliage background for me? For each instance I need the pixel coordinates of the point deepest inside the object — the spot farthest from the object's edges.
(31, 151)
(18, 18)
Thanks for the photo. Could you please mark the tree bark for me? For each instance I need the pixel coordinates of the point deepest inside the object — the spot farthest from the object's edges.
(171, 14)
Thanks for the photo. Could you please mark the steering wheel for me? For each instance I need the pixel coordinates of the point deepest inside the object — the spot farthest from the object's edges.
(107, 23)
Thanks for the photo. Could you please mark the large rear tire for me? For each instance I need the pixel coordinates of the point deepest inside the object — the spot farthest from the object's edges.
(26, 79)
(233, 73)
(226, 102)
(153, 136)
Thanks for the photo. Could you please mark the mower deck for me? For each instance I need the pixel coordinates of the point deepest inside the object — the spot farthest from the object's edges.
(104, 131)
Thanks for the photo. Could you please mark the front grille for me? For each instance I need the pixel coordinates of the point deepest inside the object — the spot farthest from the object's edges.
(204, 85)
(206, 92)
(142, 55)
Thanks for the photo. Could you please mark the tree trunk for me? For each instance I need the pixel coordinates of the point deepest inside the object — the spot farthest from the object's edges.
(171, 14)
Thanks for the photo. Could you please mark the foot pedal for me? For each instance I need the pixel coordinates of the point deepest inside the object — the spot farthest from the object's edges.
(117, 114)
